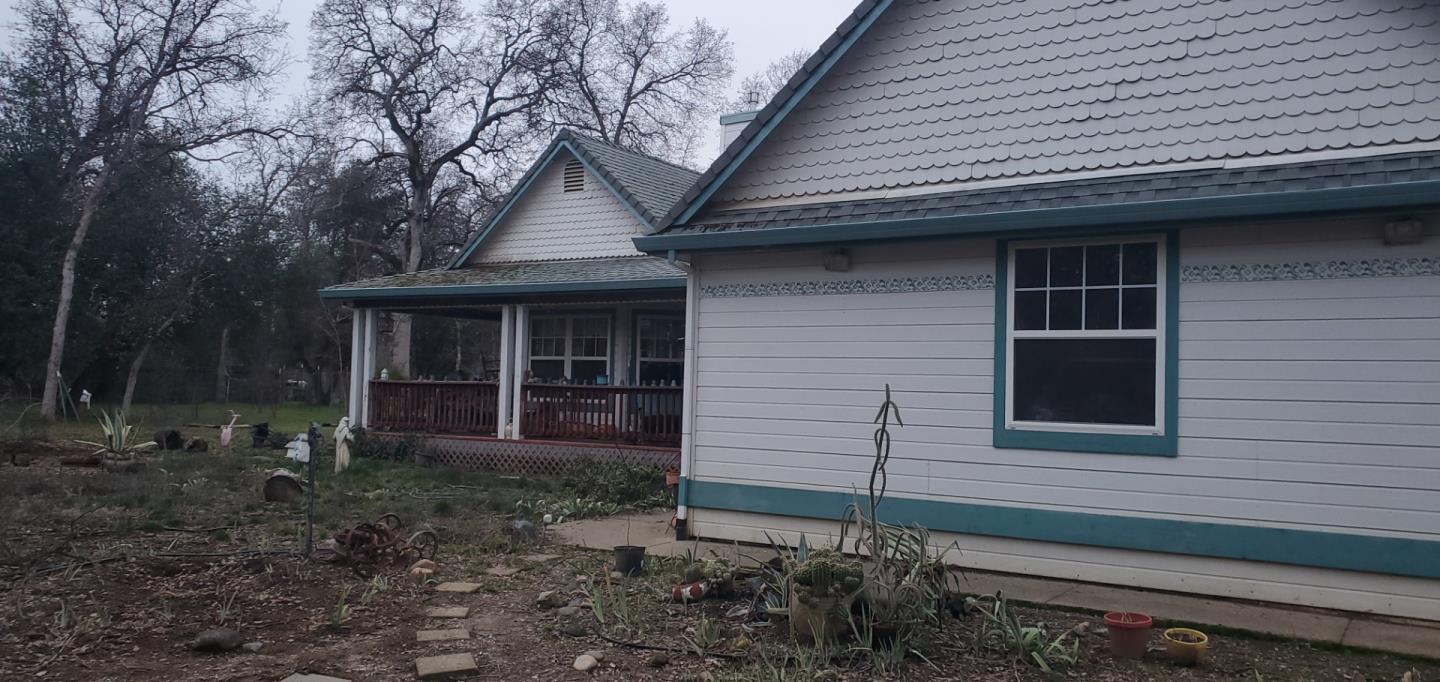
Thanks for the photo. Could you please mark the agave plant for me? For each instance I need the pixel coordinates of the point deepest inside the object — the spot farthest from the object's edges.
(120, 441)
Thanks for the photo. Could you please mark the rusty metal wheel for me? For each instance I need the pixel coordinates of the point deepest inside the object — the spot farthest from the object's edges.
(425, 544)
(390, 521)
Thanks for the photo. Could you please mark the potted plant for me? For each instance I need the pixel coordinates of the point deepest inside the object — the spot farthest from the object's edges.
(824, 587)
(1129, 633)
(1185, 646)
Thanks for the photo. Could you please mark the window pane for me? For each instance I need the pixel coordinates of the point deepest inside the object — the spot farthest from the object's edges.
(1085, 381)
(1065, 266)
(1030, 310)
(1029, 268)
(547, 370)
(587, 371)
(1140, 263)
(1102, 265)
(1138, 308)
(1102, 309)
(662, 373)
(1065, 309)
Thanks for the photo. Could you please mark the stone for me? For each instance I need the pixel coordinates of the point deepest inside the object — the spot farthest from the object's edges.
(461, 588)
(596, 654)
(441, 635)
(425, 564)
(539, 558)
(253, 647)
(421, 574)
(310, 677)
(523, 530)
(550, 599)
(568, 611)
(574, 630)
(658, 661)
(502, 571)
(436, 667)
(1081, 629)
(447, 612)
(617, 575)
(585, 663)
(216, 641)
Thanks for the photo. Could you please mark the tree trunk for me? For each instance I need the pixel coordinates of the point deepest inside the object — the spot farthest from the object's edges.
(67, 289)
(414, 250)
(222, 368)
(134, 377)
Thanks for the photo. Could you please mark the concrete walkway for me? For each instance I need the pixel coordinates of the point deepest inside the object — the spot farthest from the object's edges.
(1419, 638)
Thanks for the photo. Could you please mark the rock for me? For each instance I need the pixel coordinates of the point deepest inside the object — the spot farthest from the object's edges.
(283, 486)
(253, 647)
(596, 654)
(617, 575)
(550, 599)
(574, 630)
(1081, 630)
(432, 667)
(585, 663)
(568, 611)
(197, 445)
(424, 563)
(447, 612)
(502, 571)
(658, 661)
(217, 641)
(521, 529)
(309, 677)
(421, 573)
(461, 588)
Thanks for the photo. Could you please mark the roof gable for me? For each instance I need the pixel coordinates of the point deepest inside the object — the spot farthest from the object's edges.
(919, 97)
(626, 194)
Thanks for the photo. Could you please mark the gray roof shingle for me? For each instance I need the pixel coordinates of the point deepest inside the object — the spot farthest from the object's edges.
(508, 277)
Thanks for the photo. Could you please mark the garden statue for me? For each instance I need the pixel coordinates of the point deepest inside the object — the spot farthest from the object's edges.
(343, 440)
(298, 449)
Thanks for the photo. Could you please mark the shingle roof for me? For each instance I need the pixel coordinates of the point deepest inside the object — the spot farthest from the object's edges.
(506, 278)
(1190, 184)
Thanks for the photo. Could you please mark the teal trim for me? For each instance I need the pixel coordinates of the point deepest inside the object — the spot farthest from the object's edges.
(739, 117)
(1277, 204)
(1344, 551)
(514, 198)
(494, 290)
(1164, 445)
(684, 495)
(774, 120)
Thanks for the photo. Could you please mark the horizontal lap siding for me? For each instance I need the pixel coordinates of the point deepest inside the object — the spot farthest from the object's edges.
(1303, 404)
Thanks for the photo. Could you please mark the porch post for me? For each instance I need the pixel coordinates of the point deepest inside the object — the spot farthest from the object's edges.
(521, 359)
(687, 399)
(357, 376)
(507, 369)
(372, 333)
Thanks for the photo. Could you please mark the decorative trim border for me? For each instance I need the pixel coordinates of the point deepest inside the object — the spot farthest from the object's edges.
(1331, 269)
(892, 285)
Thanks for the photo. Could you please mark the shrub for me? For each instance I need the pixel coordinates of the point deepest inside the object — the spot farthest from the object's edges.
(634, 486)
(406, 448)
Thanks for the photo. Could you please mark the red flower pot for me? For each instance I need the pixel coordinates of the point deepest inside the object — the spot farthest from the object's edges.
(1129, 633)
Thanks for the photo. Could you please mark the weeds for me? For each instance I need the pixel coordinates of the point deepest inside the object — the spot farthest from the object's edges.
(341, 612)
(610, 604)
(1001, 631)
(705, 636)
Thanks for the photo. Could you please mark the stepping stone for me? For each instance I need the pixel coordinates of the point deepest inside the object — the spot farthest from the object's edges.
(539, 558)
(306, 677)
(433, 667)
(447, 612)
(462, 588)
(441, 635)
(502, 571)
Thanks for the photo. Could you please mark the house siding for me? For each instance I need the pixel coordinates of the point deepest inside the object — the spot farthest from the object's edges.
(548, 223)
(1309, 399)
(965, 91)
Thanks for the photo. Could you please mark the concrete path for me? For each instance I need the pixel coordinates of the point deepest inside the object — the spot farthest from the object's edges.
(1420, 638)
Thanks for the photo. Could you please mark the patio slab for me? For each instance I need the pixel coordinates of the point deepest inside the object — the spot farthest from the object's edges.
(460, 588)
(441, 635)
(447, 612)
(449, 665)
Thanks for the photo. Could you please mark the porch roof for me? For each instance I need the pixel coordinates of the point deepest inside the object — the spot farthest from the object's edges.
(499, 280)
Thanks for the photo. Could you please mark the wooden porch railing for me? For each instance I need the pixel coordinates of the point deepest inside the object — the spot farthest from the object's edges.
(468, 407)
(642, 415)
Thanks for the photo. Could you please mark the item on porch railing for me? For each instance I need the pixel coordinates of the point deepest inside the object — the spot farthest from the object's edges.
(385, 374)
(343, 440)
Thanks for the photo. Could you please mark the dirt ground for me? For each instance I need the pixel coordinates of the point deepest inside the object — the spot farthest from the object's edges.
(109, 577)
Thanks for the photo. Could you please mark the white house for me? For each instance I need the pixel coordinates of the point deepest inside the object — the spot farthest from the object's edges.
(1156, 284)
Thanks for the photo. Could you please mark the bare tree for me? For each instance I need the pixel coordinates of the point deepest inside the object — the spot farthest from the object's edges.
(440, 90)
(144, 78)
(758, 88)
(635, 82)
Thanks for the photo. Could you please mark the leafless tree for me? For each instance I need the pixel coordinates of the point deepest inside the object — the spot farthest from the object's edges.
(636, 82)
(442, 91)
(144, 78)
(758, 88)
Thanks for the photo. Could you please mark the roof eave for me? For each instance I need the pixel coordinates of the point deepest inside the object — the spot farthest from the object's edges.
(498, 290)
(1150, 213)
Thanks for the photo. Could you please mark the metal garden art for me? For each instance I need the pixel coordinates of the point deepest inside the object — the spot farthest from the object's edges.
(368, 546)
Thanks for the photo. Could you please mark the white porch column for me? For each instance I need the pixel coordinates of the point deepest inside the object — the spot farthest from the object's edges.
(507, 369)
(357, 376)
(522, 363)
(687, 397)
(622, 367)
(372, 334)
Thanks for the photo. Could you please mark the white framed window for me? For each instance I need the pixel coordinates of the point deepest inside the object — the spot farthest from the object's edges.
(1085, 344)
(570, 348)
(660, 350)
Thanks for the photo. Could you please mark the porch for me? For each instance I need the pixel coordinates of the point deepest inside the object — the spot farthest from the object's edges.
(586, 369)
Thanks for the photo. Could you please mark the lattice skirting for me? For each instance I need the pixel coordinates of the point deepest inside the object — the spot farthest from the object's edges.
(532, 456)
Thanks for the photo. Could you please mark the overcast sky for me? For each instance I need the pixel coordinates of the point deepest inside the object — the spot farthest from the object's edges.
(762, 30)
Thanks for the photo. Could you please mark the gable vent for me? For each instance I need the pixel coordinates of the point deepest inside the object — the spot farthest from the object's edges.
(574, 177)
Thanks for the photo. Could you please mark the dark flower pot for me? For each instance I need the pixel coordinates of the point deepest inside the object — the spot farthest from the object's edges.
(630, 559)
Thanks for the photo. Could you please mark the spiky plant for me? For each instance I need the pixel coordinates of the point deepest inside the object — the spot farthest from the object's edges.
(120, 440)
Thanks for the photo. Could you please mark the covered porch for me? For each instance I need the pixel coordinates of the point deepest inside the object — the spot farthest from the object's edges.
(592, 363)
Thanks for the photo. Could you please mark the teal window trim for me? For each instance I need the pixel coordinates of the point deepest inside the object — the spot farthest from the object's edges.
(1350, 551)
(1165, 444)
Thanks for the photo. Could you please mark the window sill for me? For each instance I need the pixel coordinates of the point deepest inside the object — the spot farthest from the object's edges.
(1075, 441)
